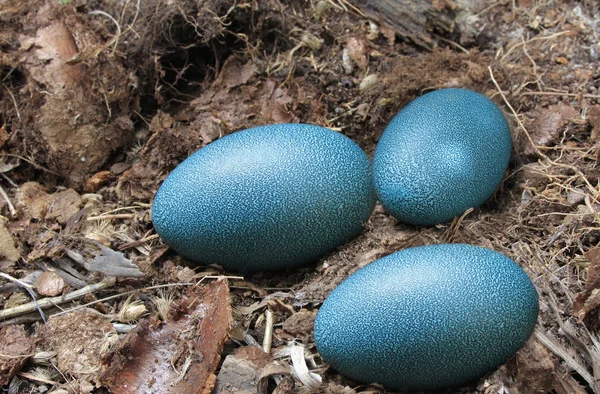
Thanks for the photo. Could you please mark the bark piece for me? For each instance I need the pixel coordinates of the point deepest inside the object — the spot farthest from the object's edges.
(413, 20)
(177, 356)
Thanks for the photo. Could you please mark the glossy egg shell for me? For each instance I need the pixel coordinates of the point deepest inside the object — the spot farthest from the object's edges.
(266, 198)
(427, 317)
(445, 152)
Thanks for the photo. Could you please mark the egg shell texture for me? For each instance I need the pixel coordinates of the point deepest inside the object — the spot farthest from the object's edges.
(266, 198)
(427, 317)
(445, 152)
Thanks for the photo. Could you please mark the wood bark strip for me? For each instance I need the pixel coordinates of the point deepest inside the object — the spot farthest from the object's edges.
(414, 20)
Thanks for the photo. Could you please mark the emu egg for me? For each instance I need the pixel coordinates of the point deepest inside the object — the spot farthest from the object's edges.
(445, 152)
(427, 317)
(266, 198)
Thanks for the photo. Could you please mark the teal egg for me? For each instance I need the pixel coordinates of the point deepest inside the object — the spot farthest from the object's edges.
(266, 198)
(445, 152)
(427, 318)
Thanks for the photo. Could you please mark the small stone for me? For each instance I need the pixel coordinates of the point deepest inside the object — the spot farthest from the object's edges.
(49, 284)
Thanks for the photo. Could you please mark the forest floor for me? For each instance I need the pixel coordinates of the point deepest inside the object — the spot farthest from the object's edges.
(101, 99)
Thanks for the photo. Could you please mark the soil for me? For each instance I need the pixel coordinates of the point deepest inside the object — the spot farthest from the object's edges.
(101, 99)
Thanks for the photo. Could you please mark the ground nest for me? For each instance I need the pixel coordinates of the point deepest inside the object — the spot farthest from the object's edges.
(101, 99)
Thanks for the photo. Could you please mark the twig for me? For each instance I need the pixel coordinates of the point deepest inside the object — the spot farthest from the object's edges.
(454, 44)
(115, 39)
(268, 332)
(11, 207)
(560, 352)
(27, 287)
(115, 216)
(566, 94)
(14, 102)
(521, 125)
(33, 377)
(120, 295)
(139, 242)
(39, 167)
(523, 43)
(53, 301)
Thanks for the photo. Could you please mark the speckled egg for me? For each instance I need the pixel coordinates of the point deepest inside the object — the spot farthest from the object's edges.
(427, 318)
(266, 198)
(445, 152)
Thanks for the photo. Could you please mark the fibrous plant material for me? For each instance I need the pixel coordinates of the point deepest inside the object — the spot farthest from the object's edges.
(16, 347)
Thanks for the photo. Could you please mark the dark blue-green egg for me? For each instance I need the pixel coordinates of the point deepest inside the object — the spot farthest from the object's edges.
(445, 152)
(266, 198)
(427, 318)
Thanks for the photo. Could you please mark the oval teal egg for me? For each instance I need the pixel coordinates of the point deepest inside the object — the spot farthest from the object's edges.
(445, 152)
(266, 198)
(427, 318)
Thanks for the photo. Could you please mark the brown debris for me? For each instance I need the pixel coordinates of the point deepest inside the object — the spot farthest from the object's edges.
(241, 372)
(16, 347)
(176, 356)
(83, 115)
(593, 117)
(357, 50)
(534, 369)
(589, 299)
(63, 205)
(78, 339)
(33, 200)
(8, 251)
(49, 284)
(300, 323)
(548, 125)
(99, 179)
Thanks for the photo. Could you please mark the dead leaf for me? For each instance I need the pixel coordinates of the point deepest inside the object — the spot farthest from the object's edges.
(549, 124)
(63, 205)
(49, 284)
(589, 299)
(108, 262)
(78, 339)
(234, 74)
(16, 347)
(33, 200)
(357, 50)
(93, 184)
(8, 251)
(177, 356)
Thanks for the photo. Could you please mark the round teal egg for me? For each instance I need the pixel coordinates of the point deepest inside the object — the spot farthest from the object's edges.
(427, 318)
(445, 152)
(266, 198)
